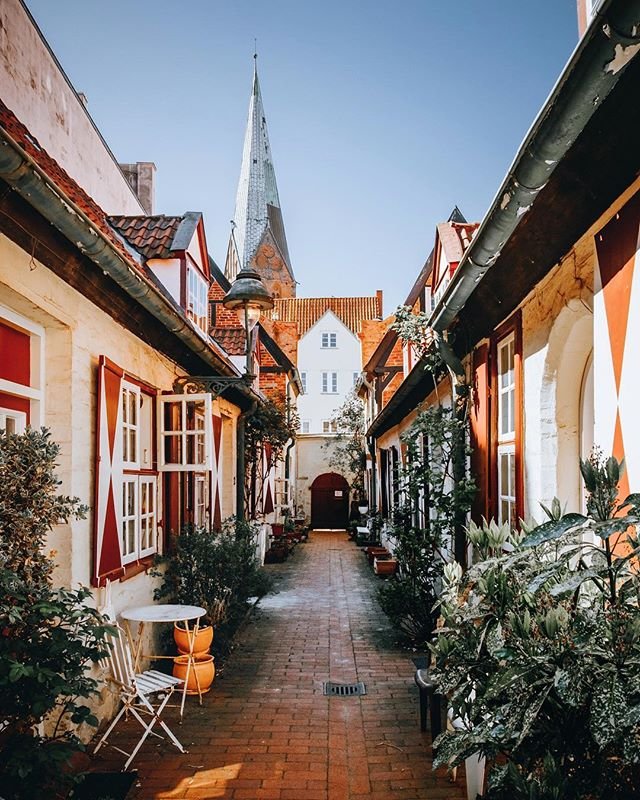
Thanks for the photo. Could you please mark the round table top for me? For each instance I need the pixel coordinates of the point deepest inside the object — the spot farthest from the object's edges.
(163, 613)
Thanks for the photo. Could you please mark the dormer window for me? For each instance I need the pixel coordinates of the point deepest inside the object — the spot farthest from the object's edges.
(197, 299)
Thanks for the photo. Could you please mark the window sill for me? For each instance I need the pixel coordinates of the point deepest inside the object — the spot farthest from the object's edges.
(134, 568)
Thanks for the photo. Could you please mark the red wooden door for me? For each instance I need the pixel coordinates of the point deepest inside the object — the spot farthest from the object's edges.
(329, 501)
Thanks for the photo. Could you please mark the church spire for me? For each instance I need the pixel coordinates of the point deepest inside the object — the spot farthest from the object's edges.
(259, 238)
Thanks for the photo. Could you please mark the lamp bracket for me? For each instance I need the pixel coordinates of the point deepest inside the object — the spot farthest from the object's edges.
(215, 385)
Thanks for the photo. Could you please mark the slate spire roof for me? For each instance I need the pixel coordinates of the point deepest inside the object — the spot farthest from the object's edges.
(257, 203)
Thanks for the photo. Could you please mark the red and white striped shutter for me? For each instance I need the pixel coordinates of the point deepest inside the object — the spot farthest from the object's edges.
(107, 556)
(269, 472)
(216, 473)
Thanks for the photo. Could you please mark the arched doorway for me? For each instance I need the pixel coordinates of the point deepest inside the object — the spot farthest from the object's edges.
(329, 501)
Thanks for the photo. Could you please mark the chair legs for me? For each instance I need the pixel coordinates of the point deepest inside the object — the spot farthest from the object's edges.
(136, 711)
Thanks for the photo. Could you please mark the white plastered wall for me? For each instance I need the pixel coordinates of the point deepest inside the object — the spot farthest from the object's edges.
(313, 359)
(34, 87)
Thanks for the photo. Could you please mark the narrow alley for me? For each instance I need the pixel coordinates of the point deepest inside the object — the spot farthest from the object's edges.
(266, 732)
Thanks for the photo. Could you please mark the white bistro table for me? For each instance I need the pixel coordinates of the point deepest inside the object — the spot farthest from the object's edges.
(164, 613)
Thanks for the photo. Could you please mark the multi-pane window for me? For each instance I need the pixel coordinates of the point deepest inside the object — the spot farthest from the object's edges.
(329, 426)
(329, 340)
(130, 397)
(304, 426)
(303, 380)
(200, 517)
(185, 435)
(506, 454)
(138, 517)
(329, 382)
(197, 299)
(356, 375)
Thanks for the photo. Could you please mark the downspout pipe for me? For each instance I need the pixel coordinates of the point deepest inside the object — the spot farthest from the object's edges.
(24, 175)
(240, 460)
(610, 42)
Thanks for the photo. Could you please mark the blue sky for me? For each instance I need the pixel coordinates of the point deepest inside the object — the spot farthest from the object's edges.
(382, 115)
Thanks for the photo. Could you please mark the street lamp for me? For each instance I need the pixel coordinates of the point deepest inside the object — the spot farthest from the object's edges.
(248, 297)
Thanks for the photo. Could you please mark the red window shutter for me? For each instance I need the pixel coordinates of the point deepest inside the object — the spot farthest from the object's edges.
(268, 506)
(107, 516)
(216, 476)
(481, 433)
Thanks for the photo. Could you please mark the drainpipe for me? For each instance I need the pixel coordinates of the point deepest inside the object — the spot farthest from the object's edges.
(610, 42)
(24, 175)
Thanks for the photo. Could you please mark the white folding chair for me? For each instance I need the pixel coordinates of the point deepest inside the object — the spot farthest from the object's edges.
(134, 691)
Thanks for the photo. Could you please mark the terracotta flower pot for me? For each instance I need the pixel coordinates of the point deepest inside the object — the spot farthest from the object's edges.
(202, 644)
(385, 566)
(201, 674)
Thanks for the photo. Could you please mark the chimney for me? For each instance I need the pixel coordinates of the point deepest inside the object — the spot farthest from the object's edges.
(379, 303)
(141, 177)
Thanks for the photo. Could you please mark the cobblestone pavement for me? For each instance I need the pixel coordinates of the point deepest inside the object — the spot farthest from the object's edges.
(266, 732)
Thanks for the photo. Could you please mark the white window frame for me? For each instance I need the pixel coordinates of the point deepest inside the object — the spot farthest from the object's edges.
(329, 340)
(303, 381)
(130, 485)
(329, 426)
(197, 296)
(205, 448)
(507, 437)
(326, 380)
(356, 375)
(304, 426)
(200, 500)
(19, 419)
(35, 392)
(141, 521)
(128, 390)
(150, 516)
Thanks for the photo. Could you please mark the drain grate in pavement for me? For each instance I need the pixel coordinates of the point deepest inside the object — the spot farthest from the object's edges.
(343, 689)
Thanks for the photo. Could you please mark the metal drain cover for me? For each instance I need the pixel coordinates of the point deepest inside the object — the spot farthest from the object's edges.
(343, 689)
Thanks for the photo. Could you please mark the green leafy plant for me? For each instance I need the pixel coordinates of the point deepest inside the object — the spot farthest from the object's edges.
(48, 637)
(423, 525)
(346, 449)
(267, 432)
(539, 653)
(215, 570)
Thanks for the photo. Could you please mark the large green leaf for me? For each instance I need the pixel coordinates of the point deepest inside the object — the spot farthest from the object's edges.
(608, 711)
(572, 583)
(553, 529)
(612, 526)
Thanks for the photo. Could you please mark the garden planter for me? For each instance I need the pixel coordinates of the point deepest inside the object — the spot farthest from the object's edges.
(385, 566)
(201, 674)
(202, 643)
(376, 552)
(474, 771)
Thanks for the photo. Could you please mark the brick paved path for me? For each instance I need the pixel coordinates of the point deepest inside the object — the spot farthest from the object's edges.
(266, 730)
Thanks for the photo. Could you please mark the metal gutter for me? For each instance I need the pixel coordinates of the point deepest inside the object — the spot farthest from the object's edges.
(24, 175)
(610, 42)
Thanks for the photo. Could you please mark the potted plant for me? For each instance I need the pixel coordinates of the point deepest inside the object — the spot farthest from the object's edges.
(539, 653)
(215, 570)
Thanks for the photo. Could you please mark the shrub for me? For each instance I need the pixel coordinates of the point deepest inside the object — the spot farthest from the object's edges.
(216, 570)
(540, 651)
(48, 637)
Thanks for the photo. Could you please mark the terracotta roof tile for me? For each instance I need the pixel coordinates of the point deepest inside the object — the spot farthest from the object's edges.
(306, 311)
(151, 236)
(231, 339)
(67, 185)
